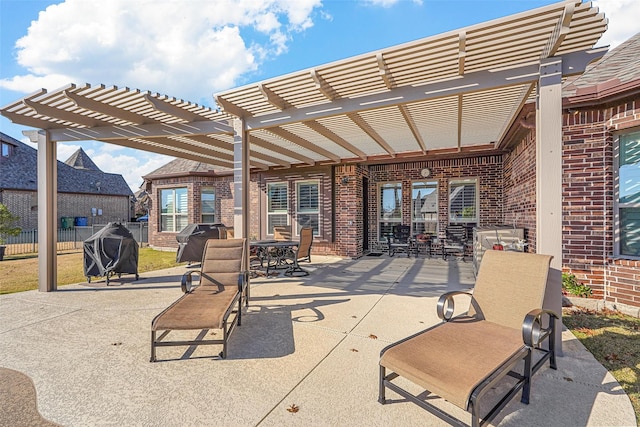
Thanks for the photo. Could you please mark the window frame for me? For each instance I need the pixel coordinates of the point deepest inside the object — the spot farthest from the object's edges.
(173, 214)
(462, 219)
(6, 149)
(317, 211)
(425, 184)
(393, 220)
(284, 212)
(203, 191)
(617, 205)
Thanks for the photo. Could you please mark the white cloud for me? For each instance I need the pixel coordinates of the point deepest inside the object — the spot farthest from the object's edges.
(387, 3)
(183, 48)
(623, 20)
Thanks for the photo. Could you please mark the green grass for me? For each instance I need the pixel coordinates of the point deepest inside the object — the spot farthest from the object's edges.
(20, 273)
(614, 340)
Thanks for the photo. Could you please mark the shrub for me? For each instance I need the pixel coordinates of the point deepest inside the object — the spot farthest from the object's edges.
(570, 284)
(6, 223)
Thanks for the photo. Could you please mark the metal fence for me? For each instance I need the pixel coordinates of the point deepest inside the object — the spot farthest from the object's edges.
(69, 238)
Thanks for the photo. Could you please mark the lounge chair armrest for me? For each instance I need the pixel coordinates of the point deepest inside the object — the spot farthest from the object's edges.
(533, 333)
(446, 304)
(186, 282)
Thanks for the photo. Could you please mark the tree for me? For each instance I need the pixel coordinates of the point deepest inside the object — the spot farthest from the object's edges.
(6, 223)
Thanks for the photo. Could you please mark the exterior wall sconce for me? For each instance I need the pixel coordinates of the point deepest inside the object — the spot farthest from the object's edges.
(345, 180)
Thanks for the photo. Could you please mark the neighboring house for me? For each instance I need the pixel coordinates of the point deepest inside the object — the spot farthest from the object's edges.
(83, 189)
(353, 206)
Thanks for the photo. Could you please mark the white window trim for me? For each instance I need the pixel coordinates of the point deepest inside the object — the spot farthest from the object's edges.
(472, 180)
(616, 195)
(202, 213)
(319, 184)
(381, 219)
(286, 212)
(431, 183)
(174, 214)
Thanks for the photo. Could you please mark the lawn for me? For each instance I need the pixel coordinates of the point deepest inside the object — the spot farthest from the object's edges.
(20, 273)
(614, 340)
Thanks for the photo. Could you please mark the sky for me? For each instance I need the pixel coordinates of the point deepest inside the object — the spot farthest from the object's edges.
(191, 49)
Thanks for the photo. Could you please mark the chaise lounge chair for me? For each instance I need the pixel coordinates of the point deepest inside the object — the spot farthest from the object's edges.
(464, 357)
(212, 304)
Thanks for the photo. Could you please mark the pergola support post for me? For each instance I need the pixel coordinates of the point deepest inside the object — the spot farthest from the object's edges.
(47, 210)
(241, 182)
(549, 180)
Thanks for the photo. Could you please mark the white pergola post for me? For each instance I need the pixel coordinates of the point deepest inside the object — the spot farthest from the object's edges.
(549, 180)
(241, 182)
(47, 210)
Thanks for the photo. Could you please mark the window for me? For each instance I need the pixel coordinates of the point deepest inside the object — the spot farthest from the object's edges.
(173, 210)
(208, 205)
(463, 200)
(390, 195)
(308, 206)
(277, 205)
(424, 207)
(628, 197)
(7, 149)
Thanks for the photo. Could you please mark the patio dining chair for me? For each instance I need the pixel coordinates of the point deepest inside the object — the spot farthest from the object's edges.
(301, 253)
(223, 283)
(400, 240)
(466, 356)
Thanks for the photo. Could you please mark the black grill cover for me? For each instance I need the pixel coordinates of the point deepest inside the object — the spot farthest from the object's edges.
(192, 238)
(111, 250)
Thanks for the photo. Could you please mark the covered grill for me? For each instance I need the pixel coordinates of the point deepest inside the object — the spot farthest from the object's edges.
(112, 250)
(192, 238)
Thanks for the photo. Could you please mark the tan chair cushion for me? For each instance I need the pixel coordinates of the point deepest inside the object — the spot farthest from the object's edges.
(509, 285)
(204, 308)
(451, 359)
(221, 263)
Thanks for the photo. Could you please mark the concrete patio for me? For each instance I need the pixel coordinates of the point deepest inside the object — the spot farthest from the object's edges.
(312, 342)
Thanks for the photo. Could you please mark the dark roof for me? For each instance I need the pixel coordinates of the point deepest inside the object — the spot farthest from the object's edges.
(80, 160)
(181, 167)
(616, 74)
(19, 172)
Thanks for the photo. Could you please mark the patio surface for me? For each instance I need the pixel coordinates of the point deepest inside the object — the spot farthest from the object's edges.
(312, 342)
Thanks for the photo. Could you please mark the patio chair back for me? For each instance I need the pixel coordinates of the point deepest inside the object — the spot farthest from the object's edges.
(221, 262)
(282, 232)
(502, 297)
(306, 240)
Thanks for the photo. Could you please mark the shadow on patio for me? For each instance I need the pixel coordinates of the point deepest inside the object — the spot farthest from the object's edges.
(313, 342)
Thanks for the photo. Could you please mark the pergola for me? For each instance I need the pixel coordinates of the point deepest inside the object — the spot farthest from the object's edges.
(452, 93)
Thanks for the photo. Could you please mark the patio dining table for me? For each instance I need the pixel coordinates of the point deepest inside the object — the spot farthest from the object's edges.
(273, 252)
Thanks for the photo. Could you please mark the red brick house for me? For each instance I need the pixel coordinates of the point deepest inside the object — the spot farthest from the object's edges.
(353, 205)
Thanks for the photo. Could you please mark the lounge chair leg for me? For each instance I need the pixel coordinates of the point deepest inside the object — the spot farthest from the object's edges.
(153, 346)
(381, 392)
(526, 387)
(552, 343)
(240, 310)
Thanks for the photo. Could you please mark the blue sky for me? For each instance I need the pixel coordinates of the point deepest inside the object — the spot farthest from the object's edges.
(191, 49)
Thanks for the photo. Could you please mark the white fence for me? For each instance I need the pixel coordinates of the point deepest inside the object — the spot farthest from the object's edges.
(68, 238)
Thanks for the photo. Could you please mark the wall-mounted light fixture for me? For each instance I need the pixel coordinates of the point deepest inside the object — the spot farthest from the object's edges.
(345, 180)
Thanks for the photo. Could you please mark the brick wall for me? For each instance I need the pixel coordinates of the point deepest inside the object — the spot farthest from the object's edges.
(350, 209)
(487, 169)
(25, 205)
(223, 187)
(520, 188)
(588, 202)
